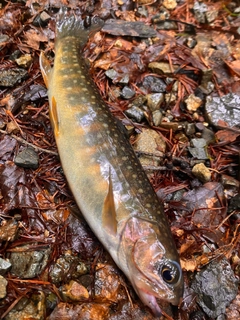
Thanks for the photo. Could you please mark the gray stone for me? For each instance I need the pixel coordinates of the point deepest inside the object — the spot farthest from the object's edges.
(135, 113)
(127, 93)
(225, 108)
(4, 266)
(198, 153)
(198, 142)
(27, 263)
(154, 84)
(216, 286)
(27, 158)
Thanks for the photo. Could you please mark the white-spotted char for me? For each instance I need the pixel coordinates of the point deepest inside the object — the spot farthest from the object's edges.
(105, 176)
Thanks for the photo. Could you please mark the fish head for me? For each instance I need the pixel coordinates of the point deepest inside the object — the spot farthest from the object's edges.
(155, 272)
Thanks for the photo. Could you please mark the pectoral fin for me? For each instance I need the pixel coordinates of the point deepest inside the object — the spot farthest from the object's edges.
(45, 68)
(109, 219)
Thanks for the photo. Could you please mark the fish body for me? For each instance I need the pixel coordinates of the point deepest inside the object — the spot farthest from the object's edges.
(105, 176)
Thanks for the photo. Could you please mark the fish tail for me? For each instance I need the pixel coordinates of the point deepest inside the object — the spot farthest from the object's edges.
(69, 25)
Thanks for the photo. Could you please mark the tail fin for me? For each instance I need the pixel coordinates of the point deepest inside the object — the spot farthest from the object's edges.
(69, 25)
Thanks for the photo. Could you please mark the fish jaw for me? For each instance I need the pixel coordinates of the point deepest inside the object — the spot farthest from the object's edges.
(153, 272)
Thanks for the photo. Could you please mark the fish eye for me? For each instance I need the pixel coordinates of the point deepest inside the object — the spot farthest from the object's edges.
(170, 272)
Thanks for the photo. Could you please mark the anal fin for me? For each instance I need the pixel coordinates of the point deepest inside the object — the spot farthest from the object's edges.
(54, 116)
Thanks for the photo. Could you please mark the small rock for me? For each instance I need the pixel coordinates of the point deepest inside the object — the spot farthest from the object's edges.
(27, 158)
(208, 135)
(225, 108)
(193, 102)
(107, 283)
(85, 311)
(3, 39)
(189, 129)
(198, 153)
(3, 287)
(9, 230)
(216, 286)
(5, 266)
(154, 84)
(139, 101)
(24, 61)
(211, 15)
(200, 9)
(201, 172)
(157, 117)
(116, 77)
(149, 141)
(167, 25)
(74, 291)
(33, 308)
(135, 113)
(155, 100)
(9, 77)
(161, 67)
(61, 268)
(170, 4)
(191, 42)
(127, 93)
(12, 127)
(180, 136)
(198, 142)
(41, 19)
(27, 263)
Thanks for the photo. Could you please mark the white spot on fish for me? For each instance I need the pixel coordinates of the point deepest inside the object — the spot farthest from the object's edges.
(69, 88)
(74, 81)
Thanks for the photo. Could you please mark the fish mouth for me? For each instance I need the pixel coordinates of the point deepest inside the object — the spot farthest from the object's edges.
(150, 301)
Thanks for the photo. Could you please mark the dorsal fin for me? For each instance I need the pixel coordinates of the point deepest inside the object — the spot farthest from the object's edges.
(109, 217)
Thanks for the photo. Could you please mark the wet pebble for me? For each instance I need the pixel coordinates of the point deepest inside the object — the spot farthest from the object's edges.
(85, 311)
(5, 266)
(170, 4)
(27, 263)
(135, 113)
(198, 142)
(200, 10)
(189, 129)
(225, 108)
(198, 153)
(107, 283)
(27, 158)
(201, 172)
(216, 286)
(74, 291)
(33, 308)
(193, 102)
(9, 230)
(24, 61)
(139, 100)
(12, 127)
(149, 141)
(154, 101)
(160, 67)
(157, 117)
(127, 93)
(116, 77)
(154, 84)
(61, 268)
(41, 19)
(3, 287)
(9, 77)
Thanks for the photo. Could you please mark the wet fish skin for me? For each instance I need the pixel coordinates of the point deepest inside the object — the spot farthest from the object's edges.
(105, 176)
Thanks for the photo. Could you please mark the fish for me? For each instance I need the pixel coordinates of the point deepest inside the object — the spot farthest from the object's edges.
(106, 178)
